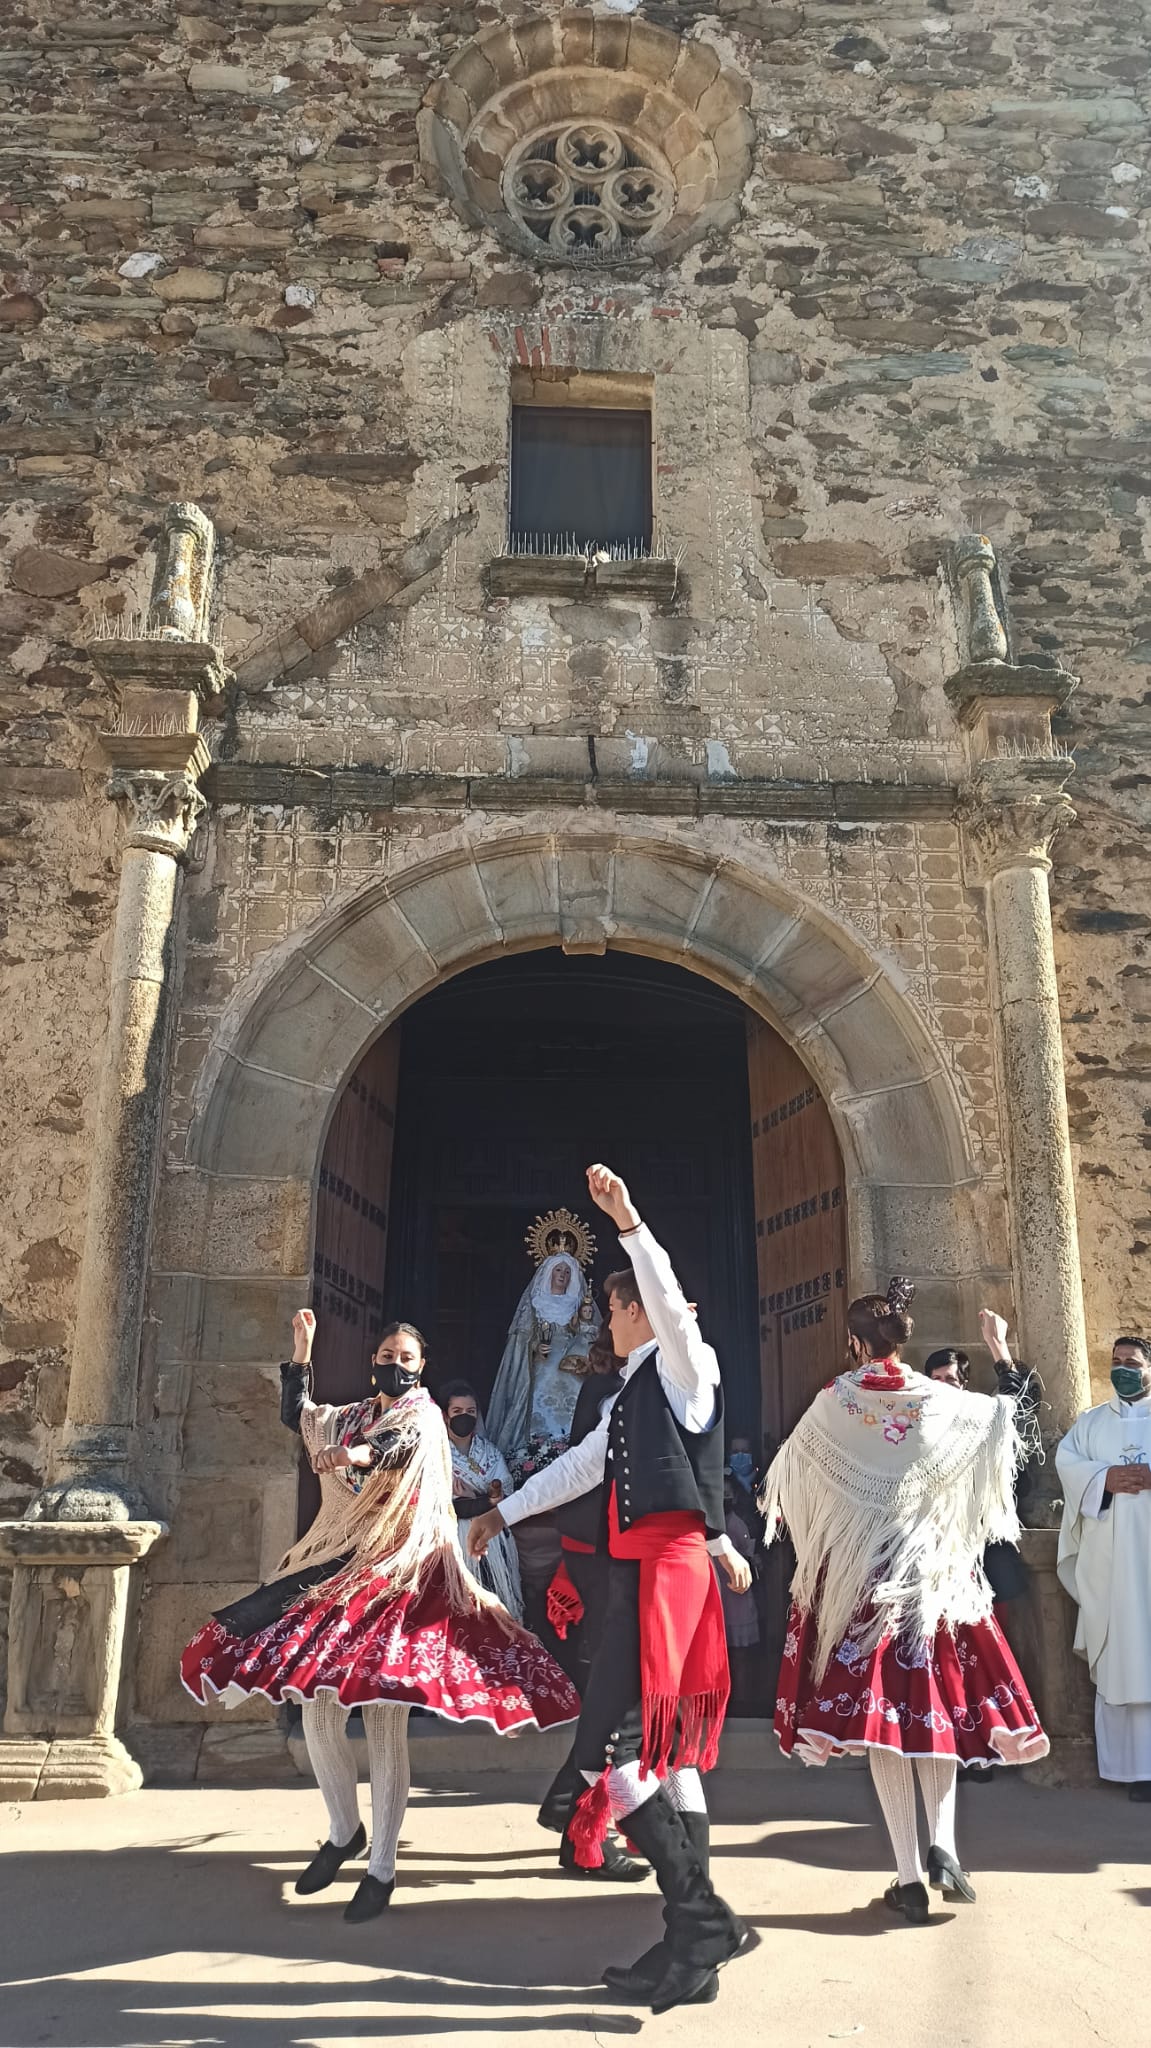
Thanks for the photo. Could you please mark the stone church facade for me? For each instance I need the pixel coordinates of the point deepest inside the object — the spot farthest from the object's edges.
(855, 727)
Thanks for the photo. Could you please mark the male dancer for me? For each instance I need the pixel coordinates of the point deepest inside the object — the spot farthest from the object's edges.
(659, 1682)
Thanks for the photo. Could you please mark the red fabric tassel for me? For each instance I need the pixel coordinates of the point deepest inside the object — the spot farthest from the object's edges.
(590, 1822)
(565, 1608)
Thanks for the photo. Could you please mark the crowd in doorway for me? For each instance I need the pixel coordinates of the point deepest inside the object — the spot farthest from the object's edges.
(593, 1552)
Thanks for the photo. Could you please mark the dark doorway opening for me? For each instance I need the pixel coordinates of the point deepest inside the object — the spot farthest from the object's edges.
(513, 1078)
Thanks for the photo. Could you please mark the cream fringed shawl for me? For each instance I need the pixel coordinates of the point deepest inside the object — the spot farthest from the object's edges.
(889, 1499)
(401, 1522)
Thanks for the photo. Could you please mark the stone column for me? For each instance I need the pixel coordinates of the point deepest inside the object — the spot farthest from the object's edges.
(73, 1555)
(162, 809)
(1013, 812)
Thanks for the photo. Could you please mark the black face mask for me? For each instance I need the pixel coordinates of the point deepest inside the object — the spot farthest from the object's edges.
(462, 1425)
(394, 1380)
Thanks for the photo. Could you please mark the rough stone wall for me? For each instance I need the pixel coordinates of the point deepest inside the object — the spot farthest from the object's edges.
(224, 278)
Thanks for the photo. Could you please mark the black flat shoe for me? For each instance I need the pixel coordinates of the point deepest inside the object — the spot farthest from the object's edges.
(638, 1979)
(909, 1899)
(944, 1875)
(617, 1867)
(977, 1774)
(369, 1898)
(1140, 1793)
(325, 1864)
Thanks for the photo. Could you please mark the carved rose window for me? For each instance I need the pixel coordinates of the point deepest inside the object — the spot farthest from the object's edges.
(585, 190)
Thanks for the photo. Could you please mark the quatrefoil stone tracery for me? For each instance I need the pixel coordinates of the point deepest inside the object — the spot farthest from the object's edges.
(584, 189)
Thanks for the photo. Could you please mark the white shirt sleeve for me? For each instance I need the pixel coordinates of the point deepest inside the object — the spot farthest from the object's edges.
(722, 1546)
(1092, 1501)
(579, 1470)
(688, 1368)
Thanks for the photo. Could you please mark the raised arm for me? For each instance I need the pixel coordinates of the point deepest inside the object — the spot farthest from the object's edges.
(296, 1376)
(686, 1363)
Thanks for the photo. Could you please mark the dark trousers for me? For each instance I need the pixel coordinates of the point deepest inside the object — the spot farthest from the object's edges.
(609, 1590)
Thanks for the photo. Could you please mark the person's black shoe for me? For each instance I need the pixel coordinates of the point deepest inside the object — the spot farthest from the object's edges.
(1141, 1792)
(369, 1898)
(325, 1864)
(977, 1774)
(556, 1811)
(945, 1875)
(617, 1866)
(909, 1899)
(639, 1979)
(696, 1984)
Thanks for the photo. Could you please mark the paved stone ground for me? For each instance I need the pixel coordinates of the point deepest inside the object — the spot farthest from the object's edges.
(167, 1919)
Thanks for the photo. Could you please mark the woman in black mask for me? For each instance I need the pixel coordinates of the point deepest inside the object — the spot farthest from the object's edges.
(374, 1608)
(480, 1479)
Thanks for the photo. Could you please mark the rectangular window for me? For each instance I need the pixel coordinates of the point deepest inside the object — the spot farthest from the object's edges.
(581, 475)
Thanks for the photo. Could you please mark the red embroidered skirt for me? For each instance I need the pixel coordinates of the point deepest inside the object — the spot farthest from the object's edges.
(410, 1648)
(962, 1697)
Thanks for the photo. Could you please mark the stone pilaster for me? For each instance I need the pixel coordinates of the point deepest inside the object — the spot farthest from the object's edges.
(74, 1554)
(1012, 812)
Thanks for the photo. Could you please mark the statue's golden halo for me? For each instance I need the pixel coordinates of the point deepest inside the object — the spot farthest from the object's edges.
(558, 1224)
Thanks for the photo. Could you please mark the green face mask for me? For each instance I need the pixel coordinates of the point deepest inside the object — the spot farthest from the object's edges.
(1127, 1381)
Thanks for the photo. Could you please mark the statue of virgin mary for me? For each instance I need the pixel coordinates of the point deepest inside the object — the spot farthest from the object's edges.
(545, 1357)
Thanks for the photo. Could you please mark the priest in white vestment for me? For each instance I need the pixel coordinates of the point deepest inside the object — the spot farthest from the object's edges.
(1104, 1463)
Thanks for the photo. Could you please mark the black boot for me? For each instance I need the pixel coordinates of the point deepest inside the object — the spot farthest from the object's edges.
(640, 1980)
(702, 1932)
(325, 1864)
(617, 1866)
(559, 1800)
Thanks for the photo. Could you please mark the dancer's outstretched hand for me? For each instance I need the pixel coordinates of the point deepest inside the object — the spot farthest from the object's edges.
(610, 1194)
(303, 1331)
(482, 1530)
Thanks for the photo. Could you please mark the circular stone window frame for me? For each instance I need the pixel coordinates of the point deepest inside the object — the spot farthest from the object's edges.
(672, 101)
(576, 197)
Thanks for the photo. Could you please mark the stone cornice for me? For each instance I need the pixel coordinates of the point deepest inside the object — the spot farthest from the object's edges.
(337, 790)
(194, 666)
(984, 682)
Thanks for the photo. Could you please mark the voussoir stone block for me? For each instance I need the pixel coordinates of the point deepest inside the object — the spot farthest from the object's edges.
(815, 969)
(377, 957)
(449, 911)
(658, 897)
(262, 1125)
(310, 1029)
(901, 1135)
(522, 892)
(871, 1047)
(737, 925)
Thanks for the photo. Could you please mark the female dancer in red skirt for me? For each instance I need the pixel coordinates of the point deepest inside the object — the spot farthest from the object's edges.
(375, 1609)
(890, 1487)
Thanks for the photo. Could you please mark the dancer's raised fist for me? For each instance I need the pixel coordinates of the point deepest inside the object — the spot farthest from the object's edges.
(303, 1331)
(610, 1194)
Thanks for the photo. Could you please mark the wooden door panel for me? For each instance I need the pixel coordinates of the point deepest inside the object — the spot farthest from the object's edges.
(352, 1223)
(800, 1230)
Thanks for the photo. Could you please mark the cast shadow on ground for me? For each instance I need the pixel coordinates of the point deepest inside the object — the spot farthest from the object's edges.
(183, 1905)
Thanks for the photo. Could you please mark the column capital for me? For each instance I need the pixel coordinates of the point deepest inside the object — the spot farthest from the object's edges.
(163, 806)
(1011, 812)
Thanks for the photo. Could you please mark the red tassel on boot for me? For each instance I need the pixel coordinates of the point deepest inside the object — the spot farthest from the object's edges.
(589, 1824)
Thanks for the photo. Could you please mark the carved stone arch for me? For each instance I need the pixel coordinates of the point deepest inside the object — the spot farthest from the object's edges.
(519, 90)
(918, 1201)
